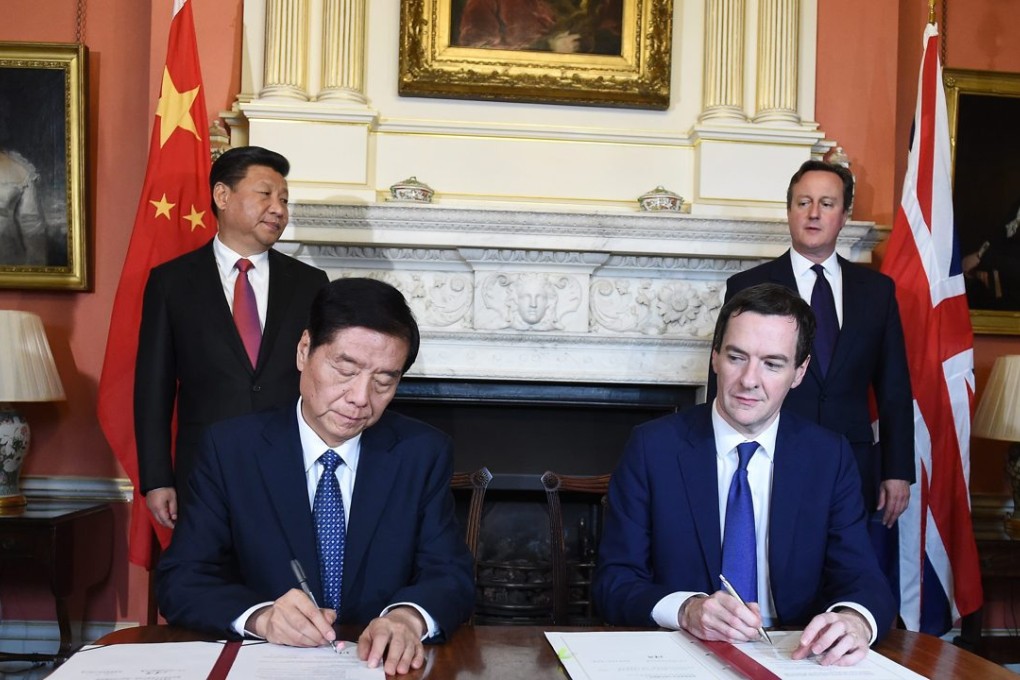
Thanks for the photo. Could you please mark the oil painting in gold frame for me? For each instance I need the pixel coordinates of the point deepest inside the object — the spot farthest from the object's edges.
(587, 52)
(984, 110)
(43, 96)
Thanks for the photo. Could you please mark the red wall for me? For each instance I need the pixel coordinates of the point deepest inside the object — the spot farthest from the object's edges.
(869, 53)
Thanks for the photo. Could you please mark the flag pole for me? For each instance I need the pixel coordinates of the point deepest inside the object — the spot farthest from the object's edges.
(931, 11)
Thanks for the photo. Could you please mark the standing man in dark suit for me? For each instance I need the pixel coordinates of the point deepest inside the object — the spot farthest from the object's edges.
(769, 500)
(868, 350)
(388, 554)
(191, 354)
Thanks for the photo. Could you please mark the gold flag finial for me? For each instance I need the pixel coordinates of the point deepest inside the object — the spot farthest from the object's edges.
(931, 11)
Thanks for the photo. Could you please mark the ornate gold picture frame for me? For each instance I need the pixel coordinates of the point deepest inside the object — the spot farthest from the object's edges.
(588, 52)
(43, 94)
(984, 110)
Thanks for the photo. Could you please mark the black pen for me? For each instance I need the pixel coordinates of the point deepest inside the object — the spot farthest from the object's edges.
(295, 566)
(732, 591)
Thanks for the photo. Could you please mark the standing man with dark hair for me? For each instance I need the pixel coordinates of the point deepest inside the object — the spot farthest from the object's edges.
(739, 488)
(859, 344)
(358, 495)
(219, 325)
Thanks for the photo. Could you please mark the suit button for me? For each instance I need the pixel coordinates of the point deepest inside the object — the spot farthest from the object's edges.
(256, 388)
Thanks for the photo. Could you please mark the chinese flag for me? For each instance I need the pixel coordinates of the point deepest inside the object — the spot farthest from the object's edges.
(173, 217)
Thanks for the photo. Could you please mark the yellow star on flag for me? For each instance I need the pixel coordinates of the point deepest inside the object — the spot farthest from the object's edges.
(174, 109)
(195, 218)
(163, 207)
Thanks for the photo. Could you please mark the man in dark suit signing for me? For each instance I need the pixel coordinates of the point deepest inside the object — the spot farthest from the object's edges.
(860, 333)
(769, 500)
(359, 496)
(191, 353)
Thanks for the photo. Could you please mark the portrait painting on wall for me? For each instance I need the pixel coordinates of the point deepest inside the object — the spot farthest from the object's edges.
(562, 26)
(984, 108)
(591, 52)
(42, 198)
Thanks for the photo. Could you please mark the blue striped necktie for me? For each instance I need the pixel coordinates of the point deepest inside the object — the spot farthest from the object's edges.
(739, 549)
(331, 530)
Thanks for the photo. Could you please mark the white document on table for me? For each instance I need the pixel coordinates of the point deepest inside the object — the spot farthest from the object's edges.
(165, 660)
(636, 655)
(265, 661)
(666, 655)
(777, 659)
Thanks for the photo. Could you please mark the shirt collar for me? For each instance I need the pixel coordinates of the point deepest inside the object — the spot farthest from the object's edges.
(802, 265)
(727, 438)
(312, 446)
(227, 258)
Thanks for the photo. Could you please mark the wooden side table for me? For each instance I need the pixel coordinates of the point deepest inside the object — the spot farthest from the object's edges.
(70, 543)
(999, 555)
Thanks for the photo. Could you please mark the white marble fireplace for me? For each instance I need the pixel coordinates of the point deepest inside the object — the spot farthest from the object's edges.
(597, 297)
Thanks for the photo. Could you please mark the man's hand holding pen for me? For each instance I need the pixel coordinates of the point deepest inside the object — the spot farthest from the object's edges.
(293, 619)
(721, 617)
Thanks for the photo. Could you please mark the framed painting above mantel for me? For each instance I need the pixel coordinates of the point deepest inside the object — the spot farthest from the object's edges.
(588, 52)
(43, 96)
(984, 110)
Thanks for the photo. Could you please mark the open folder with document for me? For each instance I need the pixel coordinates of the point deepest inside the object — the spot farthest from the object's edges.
(634, 655)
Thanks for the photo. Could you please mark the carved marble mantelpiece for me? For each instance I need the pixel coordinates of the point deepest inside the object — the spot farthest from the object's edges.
(555, 296)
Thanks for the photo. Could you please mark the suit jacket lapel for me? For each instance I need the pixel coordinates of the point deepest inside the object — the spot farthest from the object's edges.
(281, 465)
(206, 278)
(281, 291)
(855, 308)
(697, 459)
(377, 469)
(787, 490)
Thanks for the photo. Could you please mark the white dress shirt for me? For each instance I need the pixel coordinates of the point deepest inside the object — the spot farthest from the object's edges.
(806, 278)
(258, 276)
(759, 477)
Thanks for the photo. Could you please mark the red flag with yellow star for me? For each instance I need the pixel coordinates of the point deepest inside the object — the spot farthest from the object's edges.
(173, 218)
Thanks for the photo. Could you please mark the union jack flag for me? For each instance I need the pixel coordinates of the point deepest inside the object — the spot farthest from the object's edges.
(939, 575)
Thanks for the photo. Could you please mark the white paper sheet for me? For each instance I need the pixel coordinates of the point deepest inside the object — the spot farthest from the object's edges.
(265, 661)
(664, 655)
(636, 655)
(777, 659)
(166, 661)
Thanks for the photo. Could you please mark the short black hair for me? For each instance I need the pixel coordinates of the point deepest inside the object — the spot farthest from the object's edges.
(231, 167)
(362, 303)
(770, 299)
(822, 166)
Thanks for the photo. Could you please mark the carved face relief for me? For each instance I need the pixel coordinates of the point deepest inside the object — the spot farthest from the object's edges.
(533, 298)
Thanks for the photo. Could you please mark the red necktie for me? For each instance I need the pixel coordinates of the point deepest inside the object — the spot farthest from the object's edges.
(246, 312)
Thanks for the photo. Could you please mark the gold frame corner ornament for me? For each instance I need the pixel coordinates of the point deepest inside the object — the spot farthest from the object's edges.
(71, 60)
(639, 77)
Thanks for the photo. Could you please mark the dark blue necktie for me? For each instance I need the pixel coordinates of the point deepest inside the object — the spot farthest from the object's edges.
(739, 549)
(331, 530)
(826, 324)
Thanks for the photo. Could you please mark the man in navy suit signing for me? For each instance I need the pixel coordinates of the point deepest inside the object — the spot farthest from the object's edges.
(359, 496)
(737, 488)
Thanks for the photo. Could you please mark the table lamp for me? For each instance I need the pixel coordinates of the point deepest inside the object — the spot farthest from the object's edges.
(27, 373)
(998, 417)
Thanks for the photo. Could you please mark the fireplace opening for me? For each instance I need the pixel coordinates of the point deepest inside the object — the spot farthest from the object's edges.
(518, 430)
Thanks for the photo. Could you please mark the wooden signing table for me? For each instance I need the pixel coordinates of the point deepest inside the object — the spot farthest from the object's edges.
(522, 653)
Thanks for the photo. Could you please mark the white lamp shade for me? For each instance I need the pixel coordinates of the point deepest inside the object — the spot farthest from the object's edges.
(998, 414)
(27, 369)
